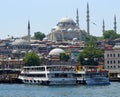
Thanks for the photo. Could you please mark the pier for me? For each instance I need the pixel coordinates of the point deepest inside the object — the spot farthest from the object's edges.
(9, 76)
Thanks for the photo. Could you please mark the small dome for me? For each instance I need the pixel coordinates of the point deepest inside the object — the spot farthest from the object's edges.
(45, 39)
(70, 30)
(15, 51)
(56, 51)
(56, 28)
(23, 52)
(20, 42)
(75, 39)
(66, 20)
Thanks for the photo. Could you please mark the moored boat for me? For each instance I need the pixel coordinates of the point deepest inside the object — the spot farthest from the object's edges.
(48, 75)
(92, 75)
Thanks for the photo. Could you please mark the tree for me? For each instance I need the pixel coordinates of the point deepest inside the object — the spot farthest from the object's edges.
(32, 59)
(88, 38)
(39, 35)
(90, 54)
(110, 35)
(64, 57)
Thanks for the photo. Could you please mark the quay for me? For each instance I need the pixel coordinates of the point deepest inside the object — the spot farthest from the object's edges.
(9, 76)
(114, 75)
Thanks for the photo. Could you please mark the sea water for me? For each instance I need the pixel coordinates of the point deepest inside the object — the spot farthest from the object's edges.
(22, 90)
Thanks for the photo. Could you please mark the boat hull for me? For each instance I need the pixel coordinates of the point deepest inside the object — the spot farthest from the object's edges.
(97, 81)
(51, 81)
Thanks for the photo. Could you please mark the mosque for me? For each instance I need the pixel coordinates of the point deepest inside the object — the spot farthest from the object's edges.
(67, 29)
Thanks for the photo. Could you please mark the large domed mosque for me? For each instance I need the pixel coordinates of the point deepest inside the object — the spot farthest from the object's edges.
(66, 30)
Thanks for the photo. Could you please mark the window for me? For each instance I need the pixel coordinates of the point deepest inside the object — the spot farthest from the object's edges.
(118, 61)
(114, 66)
(114, 61)
(118, 55)
(107, 62)
(110, 62)
(34, 81)
(110, 55)
(107, 55)
(113, 55)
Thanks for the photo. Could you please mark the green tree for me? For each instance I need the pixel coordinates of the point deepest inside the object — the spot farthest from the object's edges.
(88, 38)
(39, 35)
(32, 59)
(64, 57)
(110, 35)
(90, 54)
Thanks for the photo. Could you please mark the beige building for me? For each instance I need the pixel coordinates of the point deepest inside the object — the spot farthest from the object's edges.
(112, 60)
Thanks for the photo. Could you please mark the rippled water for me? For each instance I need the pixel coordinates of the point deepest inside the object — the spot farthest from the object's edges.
(21, 90)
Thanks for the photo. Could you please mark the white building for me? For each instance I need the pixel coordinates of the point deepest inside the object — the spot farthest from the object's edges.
(112, 58)
(67, 30)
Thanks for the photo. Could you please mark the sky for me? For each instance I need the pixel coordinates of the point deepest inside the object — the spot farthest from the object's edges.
(45, 14)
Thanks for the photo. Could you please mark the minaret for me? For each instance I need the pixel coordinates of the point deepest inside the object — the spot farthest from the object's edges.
(115, 24)
(103, 26)
(88, 20)
(29, 36)
(77, 18)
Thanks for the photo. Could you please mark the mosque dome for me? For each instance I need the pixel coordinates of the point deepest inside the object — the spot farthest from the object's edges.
(20, 42)
(70, 30)
(56, 51)
(66, 20)
(15, 51)
(57, 28)
(75, 39)
(45, 39)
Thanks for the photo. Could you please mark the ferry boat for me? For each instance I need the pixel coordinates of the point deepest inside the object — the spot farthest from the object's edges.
(92, 75)
(48, 75)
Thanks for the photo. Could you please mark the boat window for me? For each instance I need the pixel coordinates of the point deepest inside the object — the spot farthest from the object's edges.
(61, 75)
(56, 75)
(41, 68)
(35, 69)
(78, 75)
(34, 81)
(35, 75)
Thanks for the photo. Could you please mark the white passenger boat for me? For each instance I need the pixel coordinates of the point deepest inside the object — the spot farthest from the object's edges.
(48, 75)
(92, 76)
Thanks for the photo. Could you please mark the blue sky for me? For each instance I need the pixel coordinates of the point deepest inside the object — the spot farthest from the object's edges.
(45, 14)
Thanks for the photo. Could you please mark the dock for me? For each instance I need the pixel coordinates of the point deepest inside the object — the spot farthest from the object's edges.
(9, 76)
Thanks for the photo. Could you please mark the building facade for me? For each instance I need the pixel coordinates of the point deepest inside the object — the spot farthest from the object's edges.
(112, 61)
(66, 30)
(112, 58)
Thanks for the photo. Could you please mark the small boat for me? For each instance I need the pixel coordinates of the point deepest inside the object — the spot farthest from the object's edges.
(91, 75)
(48, 75)
(97, 78)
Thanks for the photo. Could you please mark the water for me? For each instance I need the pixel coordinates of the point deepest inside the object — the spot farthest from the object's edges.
(21, 90)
